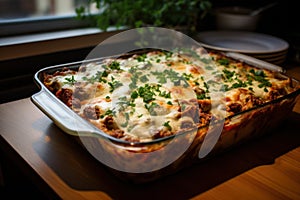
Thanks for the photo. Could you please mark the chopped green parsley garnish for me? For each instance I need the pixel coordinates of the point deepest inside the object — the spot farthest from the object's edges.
(223, 61)
(151, 108)
(142, 58)
(114, 65)
(114, 84)
(209, 67)
(107, 113)
(167, 125)
(98, 77)
(71, 80)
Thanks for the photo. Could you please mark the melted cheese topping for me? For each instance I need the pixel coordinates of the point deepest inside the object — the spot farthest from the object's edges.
(153, 95)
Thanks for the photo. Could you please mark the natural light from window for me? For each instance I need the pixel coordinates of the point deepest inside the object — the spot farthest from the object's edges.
(28, 9)
(20, 17)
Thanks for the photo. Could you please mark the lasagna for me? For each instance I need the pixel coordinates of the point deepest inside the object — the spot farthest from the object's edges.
(146, 96)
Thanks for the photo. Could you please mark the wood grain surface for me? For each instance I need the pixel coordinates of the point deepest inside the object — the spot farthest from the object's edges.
(265, 168)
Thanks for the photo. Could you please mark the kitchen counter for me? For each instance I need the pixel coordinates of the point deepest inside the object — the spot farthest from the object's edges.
(265, 168)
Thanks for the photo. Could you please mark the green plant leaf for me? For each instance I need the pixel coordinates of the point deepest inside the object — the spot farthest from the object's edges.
(138, 13)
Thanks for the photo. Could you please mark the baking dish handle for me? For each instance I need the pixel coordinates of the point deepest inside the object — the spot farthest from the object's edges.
(62, 116)
(255, 62)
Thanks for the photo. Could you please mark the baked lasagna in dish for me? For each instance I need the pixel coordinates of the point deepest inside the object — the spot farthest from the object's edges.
(146, 96)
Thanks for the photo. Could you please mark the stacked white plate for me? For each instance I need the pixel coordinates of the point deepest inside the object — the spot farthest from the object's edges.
(261, 46)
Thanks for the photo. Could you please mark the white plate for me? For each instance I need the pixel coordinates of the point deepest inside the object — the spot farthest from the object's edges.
(272, 55)
(241, 41)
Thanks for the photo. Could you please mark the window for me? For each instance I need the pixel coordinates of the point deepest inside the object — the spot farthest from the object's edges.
(28, 16)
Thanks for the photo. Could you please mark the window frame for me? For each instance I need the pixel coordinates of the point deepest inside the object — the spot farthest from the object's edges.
(41, 35)
(31, 25)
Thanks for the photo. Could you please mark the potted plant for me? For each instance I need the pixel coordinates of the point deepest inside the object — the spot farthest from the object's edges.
(186, 14)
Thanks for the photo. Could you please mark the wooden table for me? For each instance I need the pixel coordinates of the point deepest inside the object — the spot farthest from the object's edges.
(267, 168)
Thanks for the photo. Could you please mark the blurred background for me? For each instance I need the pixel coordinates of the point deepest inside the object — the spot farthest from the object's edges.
(277, 20)
(280, 20)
